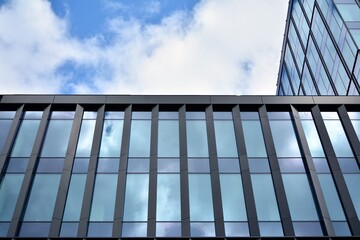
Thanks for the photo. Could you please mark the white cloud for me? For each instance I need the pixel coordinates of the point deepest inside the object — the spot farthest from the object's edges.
(206, 51)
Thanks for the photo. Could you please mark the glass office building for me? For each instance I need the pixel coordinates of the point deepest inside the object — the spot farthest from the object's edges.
(321, 48)
(179, 166)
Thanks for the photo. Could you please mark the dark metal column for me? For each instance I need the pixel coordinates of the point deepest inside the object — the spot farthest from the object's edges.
(10, 138)
(276, 174)
(245, 174)
(151, 231)
(120, 191)
(66, 174)
(214, 173)
(320, 200)
(29, 175)
(90, 179)
(338, 177)
(184, 181)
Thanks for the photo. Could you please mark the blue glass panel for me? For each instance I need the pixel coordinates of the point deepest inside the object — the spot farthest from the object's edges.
(249, 115)
(285, 141)
(138, 165)
(80, 165)
(259, 165)
(198, 165)
(17, 165)
(140, 138)
(5, 127)
(168, 229)
(103, 202)
(312, 138)
(42, 199)
(111, 138)
(206, 229)
(195, 115)
(353, 185)
(141, 115)
(265, 199)
(50, 165)
(114, 115)
(9, 192)
(7, 114)
(75, 197)
(271, 229)
(348, 165)
(298, 193)
(69, 229)
(349, 11)
(134, 229)
(307, 229)
(291, 165)
(236, 229)
(62, 115)
(232, 197)
(223, 115)
(197, 139)
(57, 138)
(136, 197)
(34, 229)
(254, 141)
(338, 138)
(168, 165)
(229, 165)
(341, 229)
(279, 115)
(108, 165)
(84, 144)
(33, 115)
(356, 124)
(25, 138)
(321, 165)
(97, 229)
(200, 196)
(168, 207)
(168, 139)
(4, 227)
(168, 115)
(225, 139)
(89, 115)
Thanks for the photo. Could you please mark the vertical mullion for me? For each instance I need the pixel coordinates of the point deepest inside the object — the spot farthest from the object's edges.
(66, 174)
(151, 230)
(338, 177)
(245, 174)
(10, 138)
(120, 191)
(276, 174)
(320, 200)
(184, 180)
(29, 175)
(214, 174)
(90, 179)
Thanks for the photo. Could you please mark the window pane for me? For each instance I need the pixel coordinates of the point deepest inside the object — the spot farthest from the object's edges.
(111, 138)
(307, 229)
(168, 115)
(136, 197)
(168, 207)
(85, 139)
(42, 199)
(198, 165)
(50, 165)
(134, 230)
(25, 138)
(225, 139)
(254, 141)
(62, 115)
(196, 139)
(293, 165)
(169, 229)
(69, 229)
(202, 229)
(103, 203)
(265, 199)
(168, 143)
(201, 204)
(57, 138)
(338, 138)
(100, 229)
(34, 229)
(140, 138)
(167, 165)
(312, 138)
(5, 127)
(7, 114)
(17, 165)
(232, 197)
(353, 185)
(80, 165)
(271, 229)
(341, 229)
(229, 165)
(75, 197)
(9, 192)
(138, 165)
(236, 229)
(108, 165)
(285, 141)
(259, 165)
(4, 227)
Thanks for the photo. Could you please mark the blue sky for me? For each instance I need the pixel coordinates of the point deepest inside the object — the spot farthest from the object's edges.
(140, 46)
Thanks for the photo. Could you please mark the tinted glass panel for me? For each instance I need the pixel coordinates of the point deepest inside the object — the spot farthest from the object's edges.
(225, 139)
(17, 165)
(50, 165)
(201, 205)
(7, 114)
(270, 229)
(236, 229)
(341, 229)
(33, 229)
(5, 127)
(139, 165)
(284, 135)
(259, 165)
(254, 141)
(196, 139)
(80, 165)
(103, 203)
(136, 197)
(197, 165)
(75, 198)
(291, 165)
(202, 229)
(134, 230)
(229, 165)
(9, 192)
(312, 138)
(169, 229)
(57, 138)
(100, 229)
(168, 115)
(140, 138)
(307, 229)
(85, 139)
(25, 138)
(4, 227)
(42, 199)
(69, 229)
(108, 165)
(111, 138)
(168, 206)
(168, 139)
(168, 165)
(338, 138)
(62, 115)
(353, 185)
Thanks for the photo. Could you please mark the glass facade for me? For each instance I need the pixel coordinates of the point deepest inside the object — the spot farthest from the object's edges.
(321, 49)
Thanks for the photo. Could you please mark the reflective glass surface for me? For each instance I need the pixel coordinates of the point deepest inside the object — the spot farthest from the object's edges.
(201, 204)
(100, 229)
(103, 202)
(17, 165)
(291, 165)
(168, 115)
(236, 229)
(80, 165)
(254, 141)
(168, 207)
(353, 185)
(284, 135)
(141, 115)
(225, 139)
(62, 115)
(229, 165)
(111, 138)
(338, 138)
(25, 138)
(271, 229)
(195, 115)
(7, 114)
(5, 127)
(140, 138)
(74, 198)
(307, 229)
(259, 165)
(168, 229)
(84, 144)
(168, 165)
(138, 165)
(34, 229)
(196, 139)
(108, 165)
(168, 139)
(9, 192)
(222, 115)
(312, 138)
(69, 229)
(4, 227)
(136, 197)
(198, 165)
(203, 229)
(50, 165)
(134, 229)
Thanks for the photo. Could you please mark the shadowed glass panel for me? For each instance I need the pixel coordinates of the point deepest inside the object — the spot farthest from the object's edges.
(225, 139)
(232, 197)
(75, 197)
(4, 130)
(85, 139)
(57, 138)
(9, 192)
(197, 139)
(4, 227)
(103, 203)
(136, 197)
(111, 138)
(25, 138)
(168, 139)
(50, 165)
(140, 138)
(201, 204)
(17, 165)
(42, 199)
(341, 229)
(108, 165)
(353, 185)
(168, 207)
(254, 140)
(34, 229)
(285, 141)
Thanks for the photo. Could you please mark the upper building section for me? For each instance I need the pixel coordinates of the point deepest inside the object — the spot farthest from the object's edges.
(321, 48)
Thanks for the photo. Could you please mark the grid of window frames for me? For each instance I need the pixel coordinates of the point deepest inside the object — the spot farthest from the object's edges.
(41, 195)
(320, 49)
